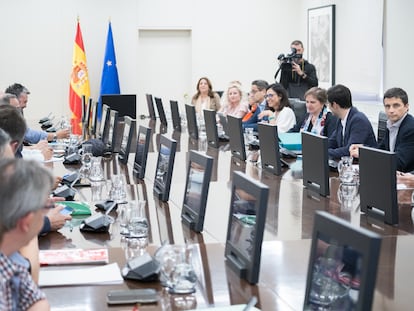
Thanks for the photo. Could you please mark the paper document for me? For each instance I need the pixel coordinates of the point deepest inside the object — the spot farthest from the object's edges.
(107, 274)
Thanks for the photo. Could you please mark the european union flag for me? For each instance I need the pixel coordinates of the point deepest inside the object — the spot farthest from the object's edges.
(110, 80)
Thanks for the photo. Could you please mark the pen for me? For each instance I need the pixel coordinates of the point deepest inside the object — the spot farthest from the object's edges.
(251, 303)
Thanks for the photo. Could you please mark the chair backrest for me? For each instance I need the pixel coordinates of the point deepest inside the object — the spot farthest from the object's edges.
(299, 108)
(382, 126)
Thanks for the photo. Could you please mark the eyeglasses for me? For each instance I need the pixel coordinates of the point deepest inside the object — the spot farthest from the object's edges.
(269, 96)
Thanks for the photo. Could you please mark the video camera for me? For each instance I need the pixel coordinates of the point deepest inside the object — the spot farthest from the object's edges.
(286, 60)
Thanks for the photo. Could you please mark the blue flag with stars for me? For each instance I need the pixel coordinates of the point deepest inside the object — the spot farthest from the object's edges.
(110, 80)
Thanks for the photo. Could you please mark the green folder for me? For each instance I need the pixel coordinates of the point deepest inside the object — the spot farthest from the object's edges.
(79, 208)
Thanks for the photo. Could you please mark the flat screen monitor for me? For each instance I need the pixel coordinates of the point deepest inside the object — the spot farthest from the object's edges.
(342, 265)
(378, 184)
(269, 148)
(104, 124)
(150, 105)
(88, 106)
(112, 132)
(127, 136)
(83, 106)
(191, 121)
(237, 147)
(161, 111)
(246, 224)
(125, 104)
(93, 124)
(175, 115)
(210, 122)
(141, 153)
(164, 169)
(196, 190)
(315, 163)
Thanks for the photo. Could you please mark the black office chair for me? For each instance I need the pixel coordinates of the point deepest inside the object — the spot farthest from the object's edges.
(299, 108)
(382, 126)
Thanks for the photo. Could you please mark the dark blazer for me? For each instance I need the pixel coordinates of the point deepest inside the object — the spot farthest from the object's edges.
(252, 122)
(328, 129)
(358, 131)
(404, 144)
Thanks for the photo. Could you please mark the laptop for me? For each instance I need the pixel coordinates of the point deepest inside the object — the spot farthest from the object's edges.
(223, 121)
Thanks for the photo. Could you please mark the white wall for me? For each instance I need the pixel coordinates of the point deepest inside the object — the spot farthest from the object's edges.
(232, 39)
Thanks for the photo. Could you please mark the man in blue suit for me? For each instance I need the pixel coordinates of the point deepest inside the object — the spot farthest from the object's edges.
(352, 127)
(399, 136)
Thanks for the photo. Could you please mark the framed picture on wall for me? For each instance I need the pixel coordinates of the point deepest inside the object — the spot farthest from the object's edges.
(321, 43)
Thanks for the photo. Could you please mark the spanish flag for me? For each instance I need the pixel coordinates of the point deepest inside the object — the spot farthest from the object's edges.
(79, 82)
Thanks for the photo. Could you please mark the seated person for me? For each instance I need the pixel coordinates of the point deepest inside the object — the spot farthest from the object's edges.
(13, 123)
(318, 119)
(278, 109)
(352, 126)
(205, 98)
(257, 103)
(399, 136)
(32, 136)
(234, 101)
(24, 190)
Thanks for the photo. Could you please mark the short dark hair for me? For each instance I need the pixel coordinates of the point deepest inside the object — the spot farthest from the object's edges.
(280, 91)
(341, 95)
(17, 89)
(12, 122)
(397, 93)
(297, 42)
(261, 84)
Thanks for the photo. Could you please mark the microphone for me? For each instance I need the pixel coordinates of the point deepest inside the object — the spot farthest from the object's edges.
(281, 56)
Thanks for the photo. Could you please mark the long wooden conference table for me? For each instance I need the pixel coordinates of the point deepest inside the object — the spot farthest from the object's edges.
(286, 245)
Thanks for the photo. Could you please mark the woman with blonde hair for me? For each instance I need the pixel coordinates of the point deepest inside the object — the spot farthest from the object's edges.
(234, 101)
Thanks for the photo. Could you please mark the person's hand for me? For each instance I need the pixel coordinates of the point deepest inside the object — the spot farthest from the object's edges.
(44, 148)
(57, 220)
(58, 180)
(354, 150)
(405, 178)
(63, 133)
(265, 113)
(296, 68)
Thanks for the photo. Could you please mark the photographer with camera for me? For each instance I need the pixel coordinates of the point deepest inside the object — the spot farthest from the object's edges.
(297, 74)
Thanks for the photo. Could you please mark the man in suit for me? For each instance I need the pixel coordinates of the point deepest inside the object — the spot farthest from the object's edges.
(352, 127)
(399, 136)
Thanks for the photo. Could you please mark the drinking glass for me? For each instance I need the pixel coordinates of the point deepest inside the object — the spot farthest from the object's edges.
(123, 215)
(96, 171)
(345, 170)
(248, 137)
(183, 277)
(202, 141)
(118, 192)
(138, 223)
